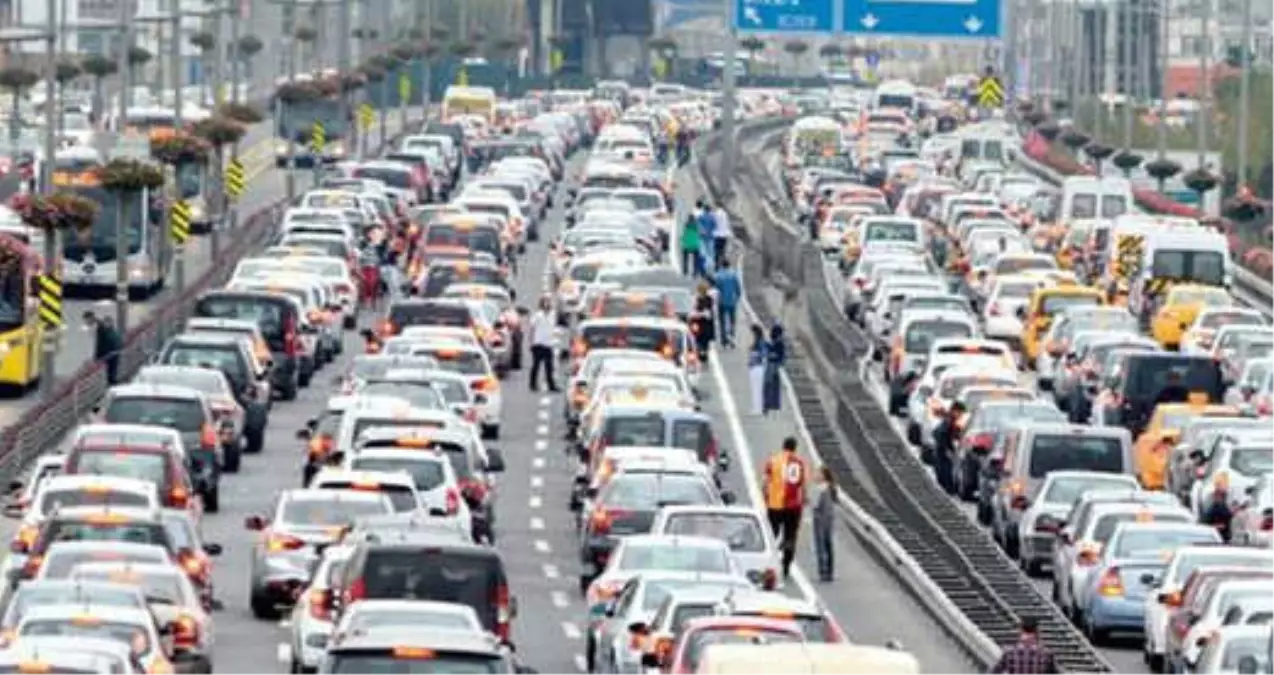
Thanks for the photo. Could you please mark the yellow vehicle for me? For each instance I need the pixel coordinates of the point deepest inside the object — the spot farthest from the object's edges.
(1037, 315)
(21, 331)
(1154, 446)
(1181, 307)
(480, 101)
(807, 657)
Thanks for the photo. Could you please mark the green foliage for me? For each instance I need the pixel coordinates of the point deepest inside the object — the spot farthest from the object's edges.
(181, 148)
(56, 212)
(796, 47)
(240, 112)
(99, 66)
(131, 175)
(139, 56)
(17, 78)
(305, 34)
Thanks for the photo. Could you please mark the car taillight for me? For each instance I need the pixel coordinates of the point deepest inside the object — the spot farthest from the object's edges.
(291, 342)
(453, 502)
(1172, 599)
(600, 522)
(1267, 521)
(185, 631)
(503, 611)
(356, 591)
(208, 437)
(711, 454)
(277, 543)
(484, 384)
(193, 565)
(321, 446)
(178, 497)
(32, 566)
(321, 604)
(1110, 585)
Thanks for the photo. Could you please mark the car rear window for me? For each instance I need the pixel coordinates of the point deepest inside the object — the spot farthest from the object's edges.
(434, 573)
(402, 497)
(739, 531)
(426, 475)
(430, 314)
(147, 466)
(644, 338)
(132, 531)
(635, 430)
(59, 564)
(1252, 462)
(62, 499)
(730, 636)
(226, 358)
(395, 178)
(921, 334)
(1153, 543)
(665, 557)
(185, 415)
(641, 491)
(329, 512)
(1149, 375)
(1106, 524)
(474, 238)
(440, 277)
(461, 361)
(1066, 452)
(114, 631)
(386, 661)
(267, 313)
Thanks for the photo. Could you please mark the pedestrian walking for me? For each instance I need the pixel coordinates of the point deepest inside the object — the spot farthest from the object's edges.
(945, 436)
(707, 229)
(1027, 656)
(691, 264)
(756, 368)
(720, 234)
(824, 507)
(729, 292)
(783, 485)
(542, 329)
(702, 318)
(775, 356)
(106, 339)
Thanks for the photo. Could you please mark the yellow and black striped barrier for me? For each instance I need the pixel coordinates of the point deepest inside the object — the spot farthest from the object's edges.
(318, 137)
(235, 179)
(365, 116)
(50, 294)
(179, 221)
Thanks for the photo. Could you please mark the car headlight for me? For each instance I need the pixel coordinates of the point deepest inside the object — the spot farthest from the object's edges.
(196, 212)
(280, 148)
(338, 149)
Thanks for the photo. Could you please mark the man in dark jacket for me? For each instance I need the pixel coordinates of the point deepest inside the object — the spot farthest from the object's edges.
(106, 342)
(1028, 655)
(945, 436)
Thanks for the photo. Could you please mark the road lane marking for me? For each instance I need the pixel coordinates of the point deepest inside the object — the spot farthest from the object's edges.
(571, 630)
(543, 415)
(744, 453)
(285, 623)
(546, 401)
(541, 445)
(537, 523)
(542, 430)
(542, 546)
(560, 600)
(283, 652)
(551, 572)
(581, 663)
(539, 462)
(536, 501)
(537, 481)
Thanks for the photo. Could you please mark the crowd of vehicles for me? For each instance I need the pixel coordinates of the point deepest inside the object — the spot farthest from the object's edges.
(391, 524)
(1076, 371)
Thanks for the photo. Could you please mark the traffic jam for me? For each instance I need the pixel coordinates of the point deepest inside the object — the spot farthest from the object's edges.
(1075, 372)
(386, 314)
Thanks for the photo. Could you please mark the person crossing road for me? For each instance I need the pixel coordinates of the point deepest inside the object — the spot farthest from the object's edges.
(783, 485)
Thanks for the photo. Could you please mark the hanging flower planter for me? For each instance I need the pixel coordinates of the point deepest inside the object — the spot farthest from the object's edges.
(1126, 160)
(219, 131)
(299, 92)
(403, 52)
(240, 112)
(179, 149)
(1074, 139)
(373, 72)
(1201, 181)
(349, 81)
(1098, 151)
(1035, 117)
(56, 212)
(1049, 130)
(130, 175)
(66, 71)
(1162, 169)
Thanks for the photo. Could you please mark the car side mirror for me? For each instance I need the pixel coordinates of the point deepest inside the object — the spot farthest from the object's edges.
(254, 523)
(213, 550)
(304, 434)
(1021, 313)
(495, 461)
(728, 498)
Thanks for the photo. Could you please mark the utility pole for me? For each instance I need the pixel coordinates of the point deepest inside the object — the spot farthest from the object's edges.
(1205, 85)
(175, 65)
(218, 201)
(284, 111)
(122, 212)
(1245, 92)
(235, 11)
(343, 30)
(728, 95)
(1125, 67)
(1161, 128)
(52, 240)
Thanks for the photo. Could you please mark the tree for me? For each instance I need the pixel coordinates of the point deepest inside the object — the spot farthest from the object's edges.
(138, 56)
(242, 113)
(796, 49)
(249, 46)
(204, 41)
(99, 68)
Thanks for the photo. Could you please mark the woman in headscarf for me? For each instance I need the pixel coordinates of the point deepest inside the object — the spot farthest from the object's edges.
(756, 367)
(776, 355)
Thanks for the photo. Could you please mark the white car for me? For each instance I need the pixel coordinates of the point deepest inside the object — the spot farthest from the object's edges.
(433, 476)
(398, 486)
(1227, 594)
(1253, 523)
(751, 541)
(312, 615)
(1236, 466)
(930, 401)
(1009, 294)
(1039, 524)
(1237, 648)
(1198, 338)
(99, 621)
(369, 615)
(473, 363)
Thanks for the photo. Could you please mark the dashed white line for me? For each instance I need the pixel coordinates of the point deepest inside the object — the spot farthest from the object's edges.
(537, 481)
(571, 630)
(580, 663)
(541, 445)
(546, 401)
(542, 430)
(283, 652)
(538, 462)
(542, 546)
(536, 501)
(285, 622)
(543, 415)
(537, 523)
(560, 600)
(551, 572)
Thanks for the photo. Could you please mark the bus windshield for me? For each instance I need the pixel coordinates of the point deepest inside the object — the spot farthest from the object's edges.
(100, 240)
(12, 293)
(190, 179)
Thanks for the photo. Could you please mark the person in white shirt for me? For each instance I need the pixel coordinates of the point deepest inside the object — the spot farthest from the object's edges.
(720, 234)
(542, 331)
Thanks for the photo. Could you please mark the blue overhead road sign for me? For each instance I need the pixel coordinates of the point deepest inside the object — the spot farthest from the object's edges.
(976, 19)
(784, 16)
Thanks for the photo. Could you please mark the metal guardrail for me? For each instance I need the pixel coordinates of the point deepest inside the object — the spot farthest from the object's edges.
(957, 557)
(41, 428)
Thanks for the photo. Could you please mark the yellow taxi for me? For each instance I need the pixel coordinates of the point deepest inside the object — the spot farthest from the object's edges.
(1154, 446)
(1180, 307)
(1045, 303)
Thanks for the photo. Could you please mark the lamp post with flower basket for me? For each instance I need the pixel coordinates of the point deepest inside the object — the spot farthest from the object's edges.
(183, 152)
(51, 215)
(219, 131)
(128, 180)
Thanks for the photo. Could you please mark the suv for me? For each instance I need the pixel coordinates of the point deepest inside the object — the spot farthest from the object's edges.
(234, 357)
(1144, 380)
(282, 324)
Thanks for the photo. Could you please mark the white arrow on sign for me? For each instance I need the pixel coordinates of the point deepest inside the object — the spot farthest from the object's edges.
(973, 24)
(870, 21)
(752, 15)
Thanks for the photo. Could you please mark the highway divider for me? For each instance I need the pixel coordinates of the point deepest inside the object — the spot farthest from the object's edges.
(41, 428)
(977, 593)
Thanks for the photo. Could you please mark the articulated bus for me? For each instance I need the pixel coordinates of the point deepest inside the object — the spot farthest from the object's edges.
(88, 257)
(21, 331)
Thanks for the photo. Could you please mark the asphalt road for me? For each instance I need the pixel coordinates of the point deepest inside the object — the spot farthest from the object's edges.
(1123, 655)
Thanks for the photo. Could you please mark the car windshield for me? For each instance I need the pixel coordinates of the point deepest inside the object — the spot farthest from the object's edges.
(649, 491)
(329, 512)
(426, 475)
(741, 532)
(182, 414)
(157, 587)
(1154, 543)
(673, 557)
(1058, 452)
(1067, 490)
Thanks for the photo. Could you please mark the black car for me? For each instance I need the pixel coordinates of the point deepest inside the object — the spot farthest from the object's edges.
(229, 354)
(279, 318)
(1149, 379)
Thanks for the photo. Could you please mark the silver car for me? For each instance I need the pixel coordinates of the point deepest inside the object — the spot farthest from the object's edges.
(751, 541)
(1040, 522)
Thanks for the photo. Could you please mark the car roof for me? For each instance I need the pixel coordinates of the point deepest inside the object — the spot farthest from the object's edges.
(137, 615)
(149, 390)
(674, 540)
(389, 637)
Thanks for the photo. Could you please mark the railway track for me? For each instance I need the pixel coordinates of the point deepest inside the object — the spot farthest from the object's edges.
(956, 555)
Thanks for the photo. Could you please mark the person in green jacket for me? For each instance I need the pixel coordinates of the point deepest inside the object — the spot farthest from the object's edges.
(691, 263)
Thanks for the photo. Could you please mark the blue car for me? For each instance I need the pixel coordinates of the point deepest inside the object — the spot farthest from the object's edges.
(1114, 597)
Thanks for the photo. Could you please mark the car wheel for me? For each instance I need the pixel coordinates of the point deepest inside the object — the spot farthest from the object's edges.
(1011, 548)
(1032, 567)
(1095, 635)
(984, 514)
(263, 609)
(590, 654)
